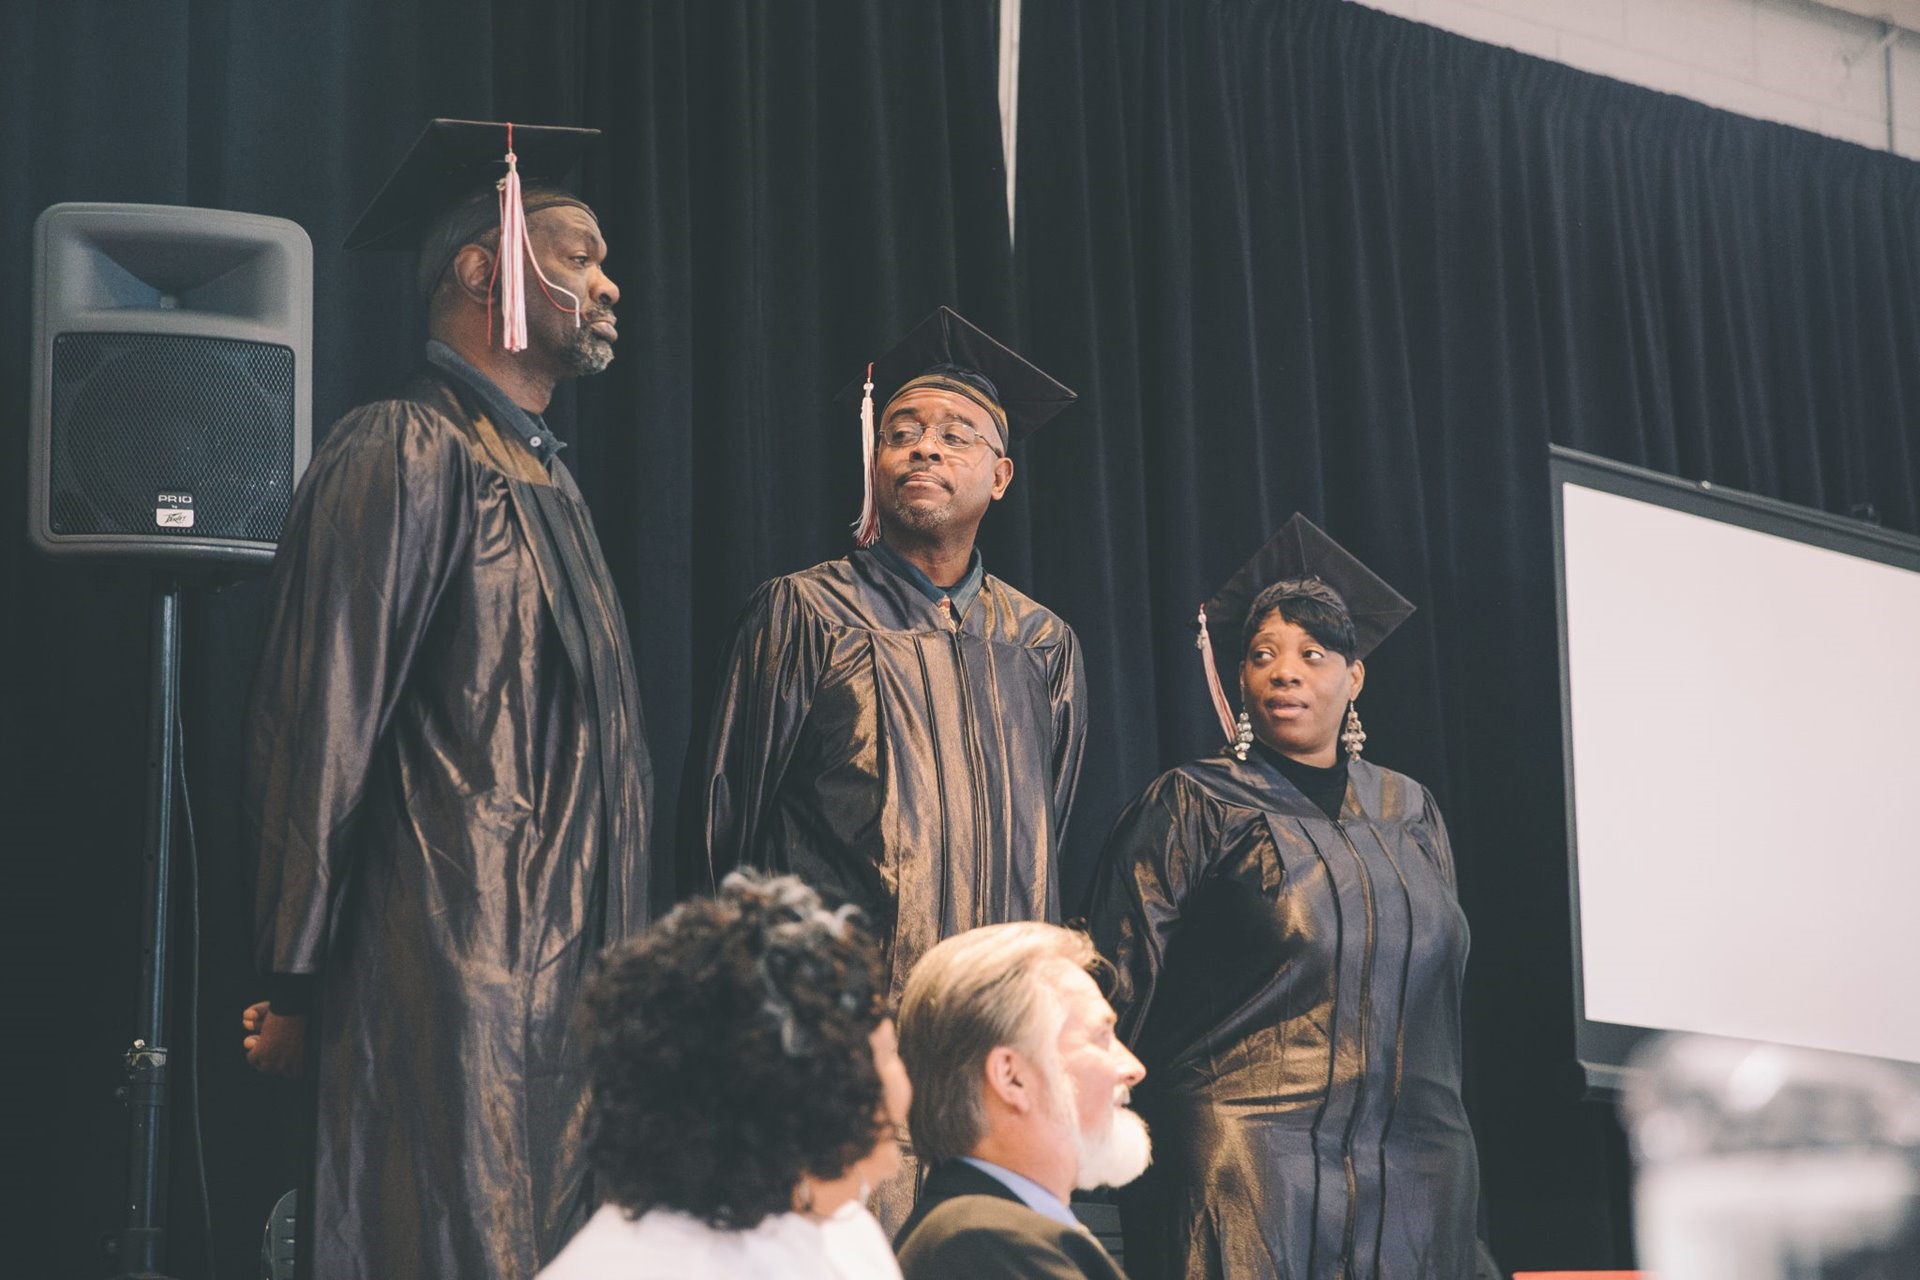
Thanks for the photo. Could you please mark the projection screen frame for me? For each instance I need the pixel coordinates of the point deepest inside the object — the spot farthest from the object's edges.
(1600, 1045)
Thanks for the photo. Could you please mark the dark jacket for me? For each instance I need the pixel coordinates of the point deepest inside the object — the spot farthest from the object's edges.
(971, 1226)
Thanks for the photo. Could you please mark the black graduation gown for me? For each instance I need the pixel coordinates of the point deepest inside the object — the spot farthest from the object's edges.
(919, 770)
(1292, 984)
(451, 794)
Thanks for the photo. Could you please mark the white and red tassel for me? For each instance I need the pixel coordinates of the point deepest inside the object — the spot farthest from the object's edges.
(511, 262)
(867, 528)
(1228, 725)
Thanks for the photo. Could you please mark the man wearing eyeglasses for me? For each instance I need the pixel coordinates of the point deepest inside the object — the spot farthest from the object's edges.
(898, 727)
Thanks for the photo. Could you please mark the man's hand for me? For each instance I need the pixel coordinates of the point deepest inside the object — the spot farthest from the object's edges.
(274, 1044)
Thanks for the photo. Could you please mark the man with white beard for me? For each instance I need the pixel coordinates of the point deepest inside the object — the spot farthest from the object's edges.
(1020, 1096)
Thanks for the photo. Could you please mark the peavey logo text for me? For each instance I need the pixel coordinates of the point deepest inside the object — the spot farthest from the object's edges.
(173, 510)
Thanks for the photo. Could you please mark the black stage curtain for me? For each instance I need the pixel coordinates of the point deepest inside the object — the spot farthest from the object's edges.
(1293, 255)
(1313, 256)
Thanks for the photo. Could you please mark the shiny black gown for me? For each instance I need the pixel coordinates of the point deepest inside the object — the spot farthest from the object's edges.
(919, 769)
(1292, 984)
(451, 793)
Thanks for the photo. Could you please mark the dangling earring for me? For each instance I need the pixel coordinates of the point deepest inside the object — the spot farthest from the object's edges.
(1353, 737)
(1242, 737)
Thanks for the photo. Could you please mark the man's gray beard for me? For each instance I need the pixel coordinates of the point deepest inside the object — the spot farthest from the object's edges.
(586, 353)
(1115, 1156)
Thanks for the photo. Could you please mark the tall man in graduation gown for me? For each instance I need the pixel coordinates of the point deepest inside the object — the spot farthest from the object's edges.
(898, 727)
(446, 773)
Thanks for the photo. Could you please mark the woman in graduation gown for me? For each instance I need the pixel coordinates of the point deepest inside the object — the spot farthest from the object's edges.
(1289, 955)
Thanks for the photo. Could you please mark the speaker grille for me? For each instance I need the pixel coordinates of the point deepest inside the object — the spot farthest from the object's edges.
(139, 417)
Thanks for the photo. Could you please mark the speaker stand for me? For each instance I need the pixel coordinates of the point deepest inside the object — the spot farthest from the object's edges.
(143, 1237)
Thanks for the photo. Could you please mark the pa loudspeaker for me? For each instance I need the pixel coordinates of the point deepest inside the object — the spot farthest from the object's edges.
(172, 393)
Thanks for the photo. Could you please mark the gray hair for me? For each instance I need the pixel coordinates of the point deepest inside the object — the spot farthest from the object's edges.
(792, 937)
(966, 997)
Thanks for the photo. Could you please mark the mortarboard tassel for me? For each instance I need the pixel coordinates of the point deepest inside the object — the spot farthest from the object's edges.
(1221, 707)
(510, 264)
(867, 528)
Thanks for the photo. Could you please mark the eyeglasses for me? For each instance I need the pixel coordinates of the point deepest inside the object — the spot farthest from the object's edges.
(955, 437)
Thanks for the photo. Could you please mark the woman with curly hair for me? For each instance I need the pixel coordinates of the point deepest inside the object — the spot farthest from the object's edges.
(747, 1092)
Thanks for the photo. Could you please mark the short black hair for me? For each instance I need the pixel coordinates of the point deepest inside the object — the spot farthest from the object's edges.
(1308, 604)
(729, 1054)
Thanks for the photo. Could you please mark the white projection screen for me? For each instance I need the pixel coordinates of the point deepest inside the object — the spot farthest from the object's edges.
(1740, 686)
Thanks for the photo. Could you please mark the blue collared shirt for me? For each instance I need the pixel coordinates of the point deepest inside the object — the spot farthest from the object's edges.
(1031, 1193)
(960, 593)
(533, 432)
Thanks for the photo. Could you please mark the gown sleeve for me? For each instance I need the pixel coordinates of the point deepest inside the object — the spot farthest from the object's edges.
(1431, 834)
(380, 519)
(1067, 691)
(766, 690)
(1157, 854)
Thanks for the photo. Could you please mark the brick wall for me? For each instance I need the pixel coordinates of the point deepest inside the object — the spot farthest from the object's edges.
(1784, 60)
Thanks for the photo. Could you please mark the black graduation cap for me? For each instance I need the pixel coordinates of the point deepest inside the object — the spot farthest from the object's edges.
(451, 162)
(1299, 549)
(947, 343)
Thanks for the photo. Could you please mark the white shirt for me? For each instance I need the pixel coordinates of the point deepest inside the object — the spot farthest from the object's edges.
(666, 1245)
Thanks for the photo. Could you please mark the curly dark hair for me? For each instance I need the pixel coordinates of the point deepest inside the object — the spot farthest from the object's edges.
(729, 1054)
(1309, 604)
